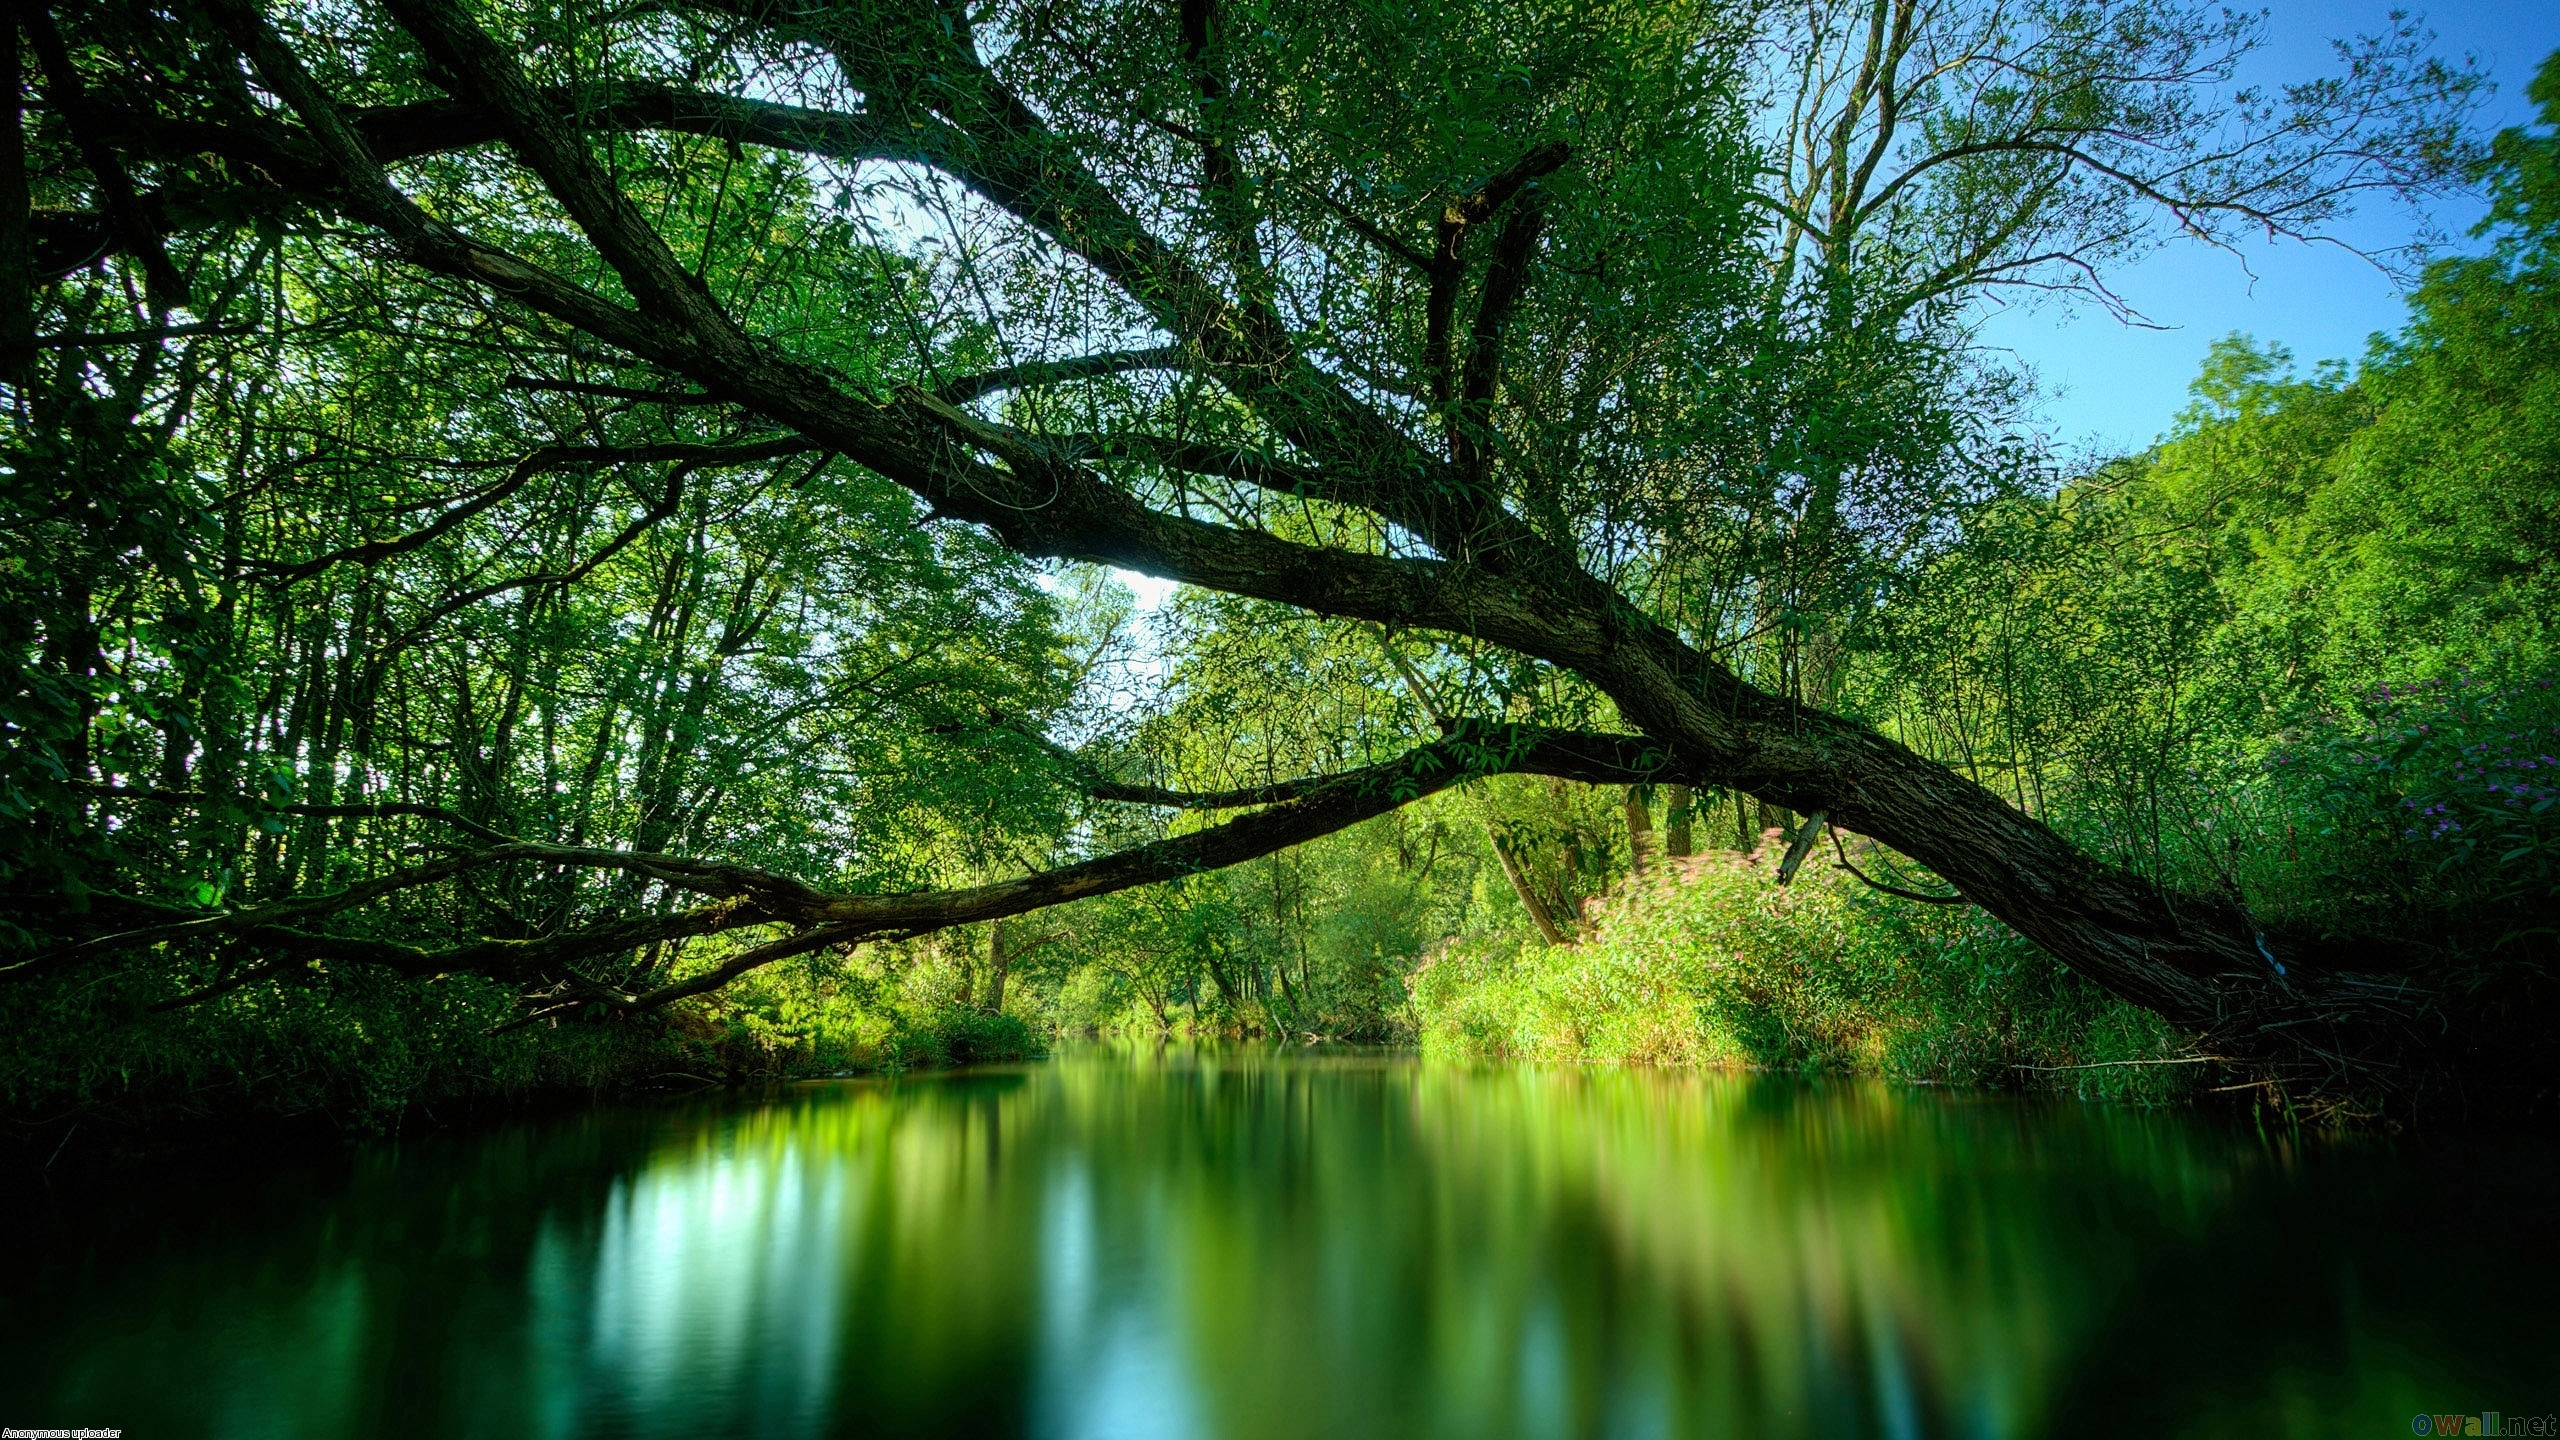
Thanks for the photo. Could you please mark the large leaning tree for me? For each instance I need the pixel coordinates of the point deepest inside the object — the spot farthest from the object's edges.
(1622, 343)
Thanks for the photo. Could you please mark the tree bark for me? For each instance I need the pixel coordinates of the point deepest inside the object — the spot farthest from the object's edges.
(1001, 957)
(1527, 893)
(1639, 831)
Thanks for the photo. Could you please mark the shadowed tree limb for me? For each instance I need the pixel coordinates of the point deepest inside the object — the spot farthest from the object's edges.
(543, 461)
(125, 213)
(1471, 421)
(745, 896)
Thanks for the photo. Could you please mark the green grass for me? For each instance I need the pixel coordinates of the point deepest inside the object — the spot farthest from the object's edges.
(1707, 963)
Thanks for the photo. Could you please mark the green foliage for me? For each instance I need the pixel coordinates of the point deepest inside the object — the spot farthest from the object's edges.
(2426, 811)
(1313, 941)
(963, 1037)
(363, 1050)
(2523, 173)
(359, 1050)
(1710, 964)
(2299, 654)
(2128, 656)
(323, 567)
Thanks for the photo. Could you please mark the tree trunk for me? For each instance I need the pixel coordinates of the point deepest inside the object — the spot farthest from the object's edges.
(999, 962)
(1520, 887)
(1639, 831)
(1676, 839)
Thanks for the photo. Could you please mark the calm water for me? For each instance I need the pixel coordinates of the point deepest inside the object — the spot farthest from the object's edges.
(1238, 1244)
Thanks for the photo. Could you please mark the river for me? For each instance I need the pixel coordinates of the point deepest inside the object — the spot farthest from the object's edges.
(1244, 1243)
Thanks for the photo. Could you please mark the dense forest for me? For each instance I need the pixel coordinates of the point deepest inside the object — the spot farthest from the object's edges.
(574, 547)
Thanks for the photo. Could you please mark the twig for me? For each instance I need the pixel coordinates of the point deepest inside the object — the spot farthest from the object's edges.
(58, 1149)
(1890, 889)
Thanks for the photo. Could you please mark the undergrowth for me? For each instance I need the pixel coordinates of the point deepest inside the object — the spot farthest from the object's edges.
(358, 1050)
(1705, 962)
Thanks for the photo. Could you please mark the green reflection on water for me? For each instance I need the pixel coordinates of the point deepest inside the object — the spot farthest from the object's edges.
(1237, 1244)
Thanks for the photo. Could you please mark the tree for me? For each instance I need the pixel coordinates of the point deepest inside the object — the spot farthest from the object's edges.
(1928, 156)
(1468, 322)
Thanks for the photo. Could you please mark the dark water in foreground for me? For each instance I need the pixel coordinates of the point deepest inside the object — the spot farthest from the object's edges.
(1236, 1244)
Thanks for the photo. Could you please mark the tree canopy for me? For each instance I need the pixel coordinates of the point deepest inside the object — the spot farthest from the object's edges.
(598, 498)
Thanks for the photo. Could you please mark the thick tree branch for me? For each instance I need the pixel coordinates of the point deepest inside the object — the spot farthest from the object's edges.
(557, 152)
(745, 896)
(1223, 182)
(1505, 280)
(123, 205)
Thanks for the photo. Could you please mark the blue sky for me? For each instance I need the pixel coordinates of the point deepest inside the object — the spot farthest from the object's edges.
(2117, 387)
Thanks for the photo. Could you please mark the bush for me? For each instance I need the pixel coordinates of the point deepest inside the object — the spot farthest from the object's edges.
(1708, 963)
(2426, 798)
(962, 1037)
(361, 1050)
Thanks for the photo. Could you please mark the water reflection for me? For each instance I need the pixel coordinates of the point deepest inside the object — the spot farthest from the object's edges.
(1240, 1245)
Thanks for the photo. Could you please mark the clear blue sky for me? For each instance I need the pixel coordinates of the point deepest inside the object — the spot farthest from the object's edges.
(2118, 386)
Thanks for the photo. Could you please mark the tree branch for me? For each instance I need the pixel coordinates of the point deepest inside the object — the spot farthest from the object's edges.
(123, 206)
(1894, 890)
(744, 896)
(547, 459)
(611, 392)
(1505, 280)
(554, 149)
(1054, 372)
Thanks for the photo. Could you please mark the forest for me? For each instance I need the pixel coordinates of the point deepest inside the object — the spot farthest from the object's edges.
(575, 548)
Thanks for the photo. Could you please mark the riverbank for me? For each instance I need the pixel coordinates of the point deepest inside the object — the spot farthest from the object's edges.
(1704, 962)
(114, 1082)
(1700, 963)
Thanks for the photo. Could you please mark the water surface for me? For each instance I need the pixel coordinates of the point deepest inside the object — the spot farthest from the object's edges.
(1244, 1244)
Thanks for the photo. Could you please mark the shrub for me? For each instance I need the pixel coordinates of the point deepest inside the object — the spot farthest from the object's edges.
(961, 1037)
(1707, 962)
(2429, 797)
